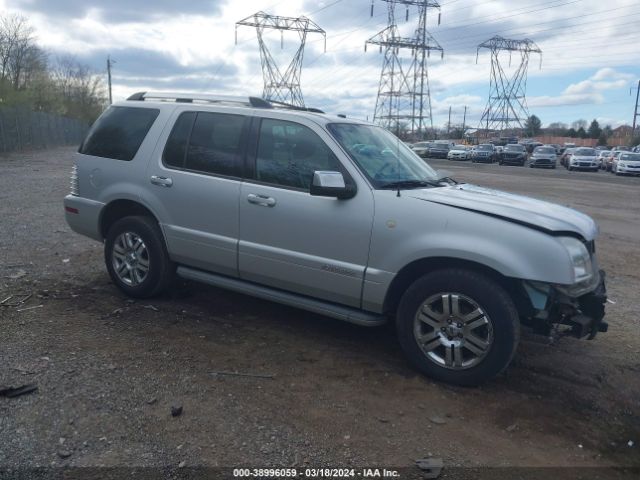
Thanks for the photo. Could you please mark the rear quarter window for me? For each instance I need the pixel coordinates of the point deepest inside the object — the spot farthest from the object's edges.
(119, 132)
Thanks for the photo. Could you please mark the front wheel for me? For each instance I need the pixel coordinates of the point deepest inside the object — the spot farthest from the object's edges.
(458, 326)
(136, 257)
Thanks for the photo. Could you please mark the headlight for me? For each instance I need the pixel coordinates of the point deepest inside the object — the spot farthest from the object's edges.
(622, 164)
(580, 258)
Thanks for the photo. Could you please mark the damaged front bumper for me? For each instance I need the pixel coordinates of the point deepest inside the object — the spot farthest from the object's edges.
(582, 316)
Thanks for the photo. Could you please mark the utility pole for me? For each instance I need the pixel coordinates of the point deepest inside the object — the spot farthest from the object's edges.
(109, 63)
(506, 107)
(281, 87)
(464, 122)
(636, 114)
(404, 94)
(449, 122)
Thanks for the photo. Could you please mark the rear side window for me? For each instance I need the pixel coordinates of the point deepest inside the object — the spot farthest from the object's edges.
(208, 143)
(175, 152)
(119, 132)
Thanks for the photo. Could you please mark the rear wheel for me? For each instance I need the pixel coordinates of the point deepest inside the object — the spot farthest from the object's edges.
(136, 257)
(458, 326)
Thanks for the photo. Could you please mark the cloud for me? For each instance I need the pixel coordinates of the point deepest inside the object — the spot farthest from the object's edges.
(610, 74)
(603, 79)
(117, 11)
(565, 99)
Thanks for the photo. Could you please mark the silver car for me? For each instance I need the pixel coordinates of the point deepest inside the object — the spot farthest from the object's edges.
(459, 152)
(333, 216)
(626, 164)
(584, 159)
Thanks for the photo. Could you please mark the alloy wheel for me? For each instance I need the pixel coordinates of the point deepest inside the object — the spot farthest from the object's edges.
(453, 331)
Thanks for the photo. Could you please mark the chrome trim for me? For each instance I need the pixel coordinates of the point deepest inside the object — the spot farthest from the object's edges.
(340, 312)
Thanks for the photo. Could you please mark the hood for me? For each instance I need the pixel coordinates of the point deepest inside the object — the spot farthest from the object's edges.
(537, 214)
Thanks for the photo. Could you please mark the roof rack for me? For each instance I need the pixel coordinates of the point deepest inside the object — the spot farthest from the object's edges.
(255, 102)
(200, 97)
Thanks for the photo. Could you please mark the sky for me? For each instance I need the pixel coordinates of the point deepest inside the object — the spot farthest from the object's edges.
(589, 67)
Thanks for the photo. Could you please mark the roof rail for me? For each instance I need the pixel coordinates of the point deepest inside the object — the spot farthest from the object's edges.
(255, 102)
(200, 97)
(294, 107)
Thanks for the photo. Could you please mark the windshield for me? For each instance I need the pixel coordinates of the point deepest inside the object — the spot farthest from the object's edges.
(630, 157)
(514, 148)
(545, 151)
(485, 147)
(459, 147)
(381, 155)
(585, 152)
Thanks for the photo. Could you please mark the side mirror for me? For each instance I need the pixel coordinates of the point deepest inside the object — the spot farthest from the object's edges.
(331, 184)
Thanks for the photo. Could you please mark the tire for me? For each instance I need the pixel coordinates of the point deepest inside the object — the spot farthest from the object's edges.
(497, 327)
(143, 271)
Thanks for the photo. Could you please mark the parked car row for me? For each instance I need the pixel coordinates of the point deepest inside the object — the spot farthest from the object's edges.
(620, 160)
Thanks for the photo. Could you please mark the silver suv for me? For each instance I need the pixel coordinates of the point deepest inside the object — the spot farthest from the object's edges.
(333, 216)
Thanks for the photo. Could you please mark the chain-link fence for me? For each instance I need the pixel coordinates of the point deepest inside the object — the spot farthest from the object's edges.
(23, 129)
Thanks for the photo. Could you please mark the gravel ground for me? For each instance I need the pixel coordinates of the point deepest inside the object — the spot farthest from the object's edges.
(109, 369)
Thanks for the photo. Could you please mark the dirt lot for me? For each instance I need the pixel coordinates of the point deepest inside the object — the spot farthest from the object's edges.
(109, 369)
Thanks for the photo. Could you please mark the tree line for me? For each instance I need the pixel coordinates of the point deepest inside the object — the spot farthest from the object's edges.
(30, 78)
(578, 129)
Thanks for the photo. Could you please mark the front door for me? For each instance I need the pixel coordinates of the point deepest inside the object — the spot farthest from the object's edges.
(291, 240)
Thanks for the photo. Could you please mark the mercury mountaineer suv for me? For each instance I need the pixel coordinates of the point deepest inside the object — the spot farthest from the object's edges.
(333, 216)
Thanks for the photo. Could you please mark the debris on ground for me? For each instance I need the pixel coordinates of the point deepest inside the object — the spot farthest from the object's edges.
(152, 401)
(29, 308)
(437, 420)
(430, 466)
(64, 453)
(176, 411)
(151, 307)
(12, 392)
(630, 443)
(18, 274)
(238, 374)
(512, 428)
(16, 299)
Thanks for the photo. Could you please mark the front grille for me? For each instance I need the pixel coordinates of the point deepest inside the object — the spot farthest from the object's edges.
(74, 183)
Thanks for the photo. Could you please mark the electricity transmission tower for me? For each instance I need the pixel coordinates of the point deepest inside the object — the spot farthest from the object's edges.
(404, 98)
(279, 87)
(507, 106)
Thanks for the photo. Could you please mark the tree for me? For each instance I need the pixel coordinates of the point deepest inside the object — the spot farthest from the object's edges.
(594, 129)
(26, 78)
(602, 139)
(557, 128)
(572, 133)
(581, 133)
(532, 126)
(578, 124)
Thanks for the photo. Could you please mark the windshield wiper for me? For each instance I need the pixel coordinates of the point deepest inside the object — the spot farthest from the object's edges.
(407, 184)
(448, 180)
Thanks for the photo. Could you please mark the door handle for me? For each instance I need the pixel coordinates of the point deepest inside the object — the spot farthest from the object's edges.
(261, 200)
(161, 181)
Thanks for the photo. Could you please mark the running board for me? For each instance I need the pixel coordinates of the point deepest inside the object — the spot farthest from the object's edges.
(340, 312)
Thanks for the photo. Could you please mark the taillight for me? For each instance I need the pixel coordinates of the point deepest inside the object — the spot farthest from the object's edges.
(74, 183)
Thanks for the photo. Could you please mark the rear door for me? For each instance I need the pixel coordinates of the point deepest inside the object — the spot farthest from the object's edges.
(291, 240)
(194, 187)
